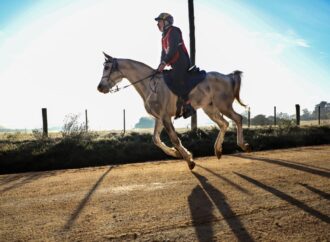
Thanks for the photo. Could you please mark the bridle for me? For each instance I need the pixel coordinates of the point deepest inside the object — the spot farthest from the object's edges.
(114, 68)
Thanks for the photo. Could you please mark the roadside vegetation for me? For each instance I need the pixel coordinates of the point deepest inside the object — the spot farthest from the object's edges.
(75, 147)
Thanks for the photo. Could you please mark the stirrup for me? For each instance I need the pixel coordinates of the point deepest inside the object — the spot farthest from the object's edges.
(192, 68)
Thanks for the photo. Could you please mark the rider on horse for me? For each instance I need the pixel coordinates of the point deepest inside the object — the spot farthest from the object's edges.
(175, 54)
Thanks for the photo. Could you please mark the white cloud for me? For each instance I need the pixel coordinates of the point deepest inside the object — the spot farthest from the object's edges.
(281, 42)
(302, 43)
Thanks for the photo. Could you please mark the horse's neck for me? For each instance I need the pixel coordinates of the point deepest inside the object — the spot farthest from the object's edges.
(135, 71)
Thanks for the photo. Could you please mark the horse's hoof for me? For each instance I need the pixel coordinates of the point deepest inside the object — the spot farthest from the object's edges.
(248, 148)
(191, 165)
(218, 154)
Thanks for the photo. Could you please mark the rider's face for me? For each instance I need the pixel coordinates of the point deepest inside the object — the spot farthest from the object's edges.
(160, 25)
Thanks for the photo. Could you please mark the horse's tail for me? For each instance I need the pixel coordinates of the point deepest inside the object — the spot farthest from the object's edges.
(236, 81)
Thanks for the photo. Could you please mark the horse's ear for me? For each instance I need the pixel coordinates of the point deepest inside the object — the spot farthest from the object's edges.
(107, 57)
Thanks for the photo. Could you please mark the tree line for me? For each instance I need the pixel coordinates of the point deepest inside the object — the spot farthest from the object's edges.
(281, 118)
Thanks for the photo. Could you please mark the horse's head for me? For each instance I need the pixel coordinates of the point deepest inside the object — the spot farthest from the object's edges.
(111, 74)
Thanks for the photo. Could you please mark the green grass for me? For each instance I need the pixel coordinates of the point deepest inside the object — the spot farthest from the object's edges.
(32, 152)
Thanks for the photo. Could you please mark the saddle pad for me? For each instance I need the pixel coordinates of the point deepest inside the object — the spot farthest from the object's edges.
(194, 78)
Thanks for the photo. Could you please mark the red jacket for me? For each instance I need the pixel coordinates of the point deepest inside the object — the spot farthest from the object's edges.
(173, 47)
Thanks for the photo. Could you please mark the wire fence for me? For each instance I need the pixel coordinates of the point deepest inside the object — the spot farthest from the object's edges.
(319, 116)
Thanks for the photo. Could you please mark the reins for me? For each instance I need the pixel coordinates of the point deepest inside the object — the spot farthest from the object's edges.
(133, 83)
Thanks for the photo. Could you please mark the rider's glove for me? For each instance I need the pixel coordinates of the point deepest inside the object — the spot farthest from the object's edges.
(161, 66)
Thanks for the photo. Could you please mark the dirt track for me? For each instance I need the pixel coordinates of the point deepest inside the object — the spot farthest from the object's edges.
(280, 195)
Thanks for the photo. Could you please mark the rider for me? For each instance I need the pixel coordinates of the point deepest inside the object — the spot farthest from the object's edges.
(175, 54)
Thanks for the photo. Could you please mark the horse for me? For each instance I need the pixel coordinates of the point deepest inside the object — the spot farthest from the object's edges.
(215, 95)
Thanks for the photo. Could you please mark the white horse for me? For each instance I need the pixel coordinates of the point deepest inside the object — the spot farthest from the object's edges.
(215, 95)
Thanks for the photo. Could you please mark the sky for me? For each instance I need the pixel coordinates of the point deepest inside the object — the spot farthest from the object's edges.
(51, 55)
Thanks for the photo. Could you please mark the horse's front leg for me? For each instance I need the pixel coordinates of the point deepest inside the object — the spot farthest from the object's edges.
(156, 138)
(177, 142)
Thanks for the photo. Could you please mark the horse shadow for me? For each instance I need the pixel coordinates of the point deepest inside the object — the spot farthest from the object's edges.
(203, 200)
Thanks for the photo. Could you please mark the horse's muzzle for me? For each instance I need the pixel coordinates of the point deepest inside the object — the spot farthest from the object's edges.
(102, 88)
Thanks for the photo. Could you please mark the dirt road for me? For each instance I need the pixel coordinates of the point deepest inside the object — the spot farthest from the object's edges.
(281, 195)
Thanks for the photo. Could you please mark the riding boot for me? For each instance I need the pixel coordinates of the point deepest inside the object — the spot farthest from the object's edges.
(179, 105)
(188, 110)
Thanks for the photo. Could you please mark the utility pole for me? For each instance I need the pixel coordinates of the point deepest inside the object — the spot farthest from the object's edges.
(192, 49)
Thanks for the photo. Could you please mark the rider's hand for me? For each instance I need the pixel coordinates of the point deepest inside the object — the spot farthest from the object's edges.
(161, 67)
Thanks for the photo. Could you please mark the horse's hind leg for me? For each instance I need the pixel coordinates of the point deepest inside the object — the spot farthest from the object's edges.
(216, 117)
(177, 143)
(156, 138)
(230, 113)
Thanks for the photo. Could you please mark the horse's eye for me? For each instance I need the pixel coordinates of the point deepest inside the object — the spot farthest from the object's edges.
(106, 67)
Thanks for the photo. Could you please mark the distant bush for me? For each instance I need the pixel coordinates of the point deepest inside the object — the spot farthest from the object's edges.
(72, 129)
(145, 123)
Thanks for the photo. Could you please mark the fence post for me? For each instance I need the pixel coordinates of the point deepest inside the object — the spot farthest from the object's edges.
(86, 120)
(44, 122)
(249, 116)
(124, 117)
(275, 115)
(298, 114)
(319, 114)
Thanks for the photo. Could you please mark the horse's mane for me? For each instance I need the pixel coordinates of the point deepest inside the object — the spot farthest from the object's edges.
(141, 63)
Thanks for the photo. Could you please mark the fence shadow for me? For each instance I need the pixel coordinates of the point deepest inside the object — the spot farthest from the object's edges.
(13, 181)
(288, 164)
(233, 184)
(317, 191)
(207, 196)
(293, 201)
(83, 203)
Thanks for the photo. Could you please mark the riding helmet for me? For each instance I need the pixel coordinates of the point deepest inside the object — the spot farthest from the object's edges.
(166, 17)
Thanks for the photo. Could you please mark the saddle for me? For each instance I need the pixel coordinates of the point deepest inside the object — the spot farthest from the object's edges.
(194, 76)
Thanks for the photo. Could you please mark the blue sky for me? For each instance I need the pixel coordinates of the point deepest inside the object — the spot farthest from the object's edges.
(50, 54)
(12, 9)
(309, 19)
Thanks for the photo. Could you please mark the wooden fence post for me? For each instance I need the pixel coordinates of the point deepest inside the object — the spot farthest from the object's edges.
(124, 117)
(86, 120)
(298, 114)
(275, 115)
(44, 122)
(249, 116)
